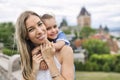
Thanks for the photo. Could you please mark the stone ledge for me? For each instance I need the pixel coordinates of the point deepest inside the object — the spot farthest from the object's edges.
(10, 67)
(17, 75)
(4, 63)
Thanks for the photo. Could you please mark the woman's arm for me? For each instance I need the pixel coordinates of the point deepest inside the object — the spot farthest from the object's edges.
(55, 74)
(48, 52)
(67, 63)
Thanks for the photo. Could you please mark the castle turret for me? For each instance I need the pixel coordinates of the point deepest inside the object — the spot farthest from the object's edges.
(84, 18)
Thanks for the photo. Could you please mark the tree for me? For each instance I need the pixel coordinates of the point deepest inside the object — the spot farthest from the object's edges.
(6, 34)
(96, 46)
(85, 32)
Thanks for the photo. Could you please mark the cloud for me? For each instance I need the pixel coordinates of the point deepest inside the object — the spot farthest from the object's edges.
(102, 12)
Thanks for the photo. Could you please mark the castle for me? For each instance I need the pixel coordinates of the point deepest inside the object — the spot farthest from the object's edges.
(84, 18)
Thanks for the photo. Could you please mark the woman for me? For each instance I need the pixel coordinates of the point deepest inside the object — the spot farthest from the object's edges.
(31, 37)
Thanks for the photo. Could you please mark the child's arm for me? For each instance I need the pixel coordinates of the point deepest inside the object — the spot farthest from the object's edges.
(61, 41)
(59, 44)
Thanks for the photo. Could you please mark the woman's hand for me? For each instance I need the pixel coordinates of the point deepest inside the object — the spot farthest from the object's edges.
(47, 50)
(43, 65)
(36, 59)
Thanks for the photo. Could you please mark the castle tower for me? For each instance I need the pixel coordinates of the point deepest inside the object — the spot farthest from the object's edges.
(84, 18)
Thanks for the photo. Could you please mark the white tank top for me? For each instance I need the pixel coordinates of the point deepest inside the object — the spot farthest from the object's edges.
(45, 74)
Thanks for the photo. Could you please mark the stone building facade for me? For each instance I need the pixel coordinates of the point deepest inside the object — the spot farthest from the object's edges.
(84, 18)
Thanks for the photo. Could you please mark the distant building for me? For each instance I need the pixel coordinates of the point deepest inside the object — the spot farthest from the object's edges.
(84, 18)
(101, 35)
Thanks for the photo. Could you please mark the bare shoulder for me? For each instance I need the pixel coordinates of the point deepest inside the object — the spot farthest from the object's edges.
(65, 54)
(66, 50)
(66, 47)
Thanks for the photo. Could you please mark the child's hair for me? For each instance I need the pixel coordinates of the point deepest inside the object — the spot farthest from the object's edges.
(47, 16)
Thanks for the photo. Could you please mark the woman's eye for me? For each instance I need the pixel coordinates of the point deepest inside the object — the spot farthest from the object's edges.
(39, 24)
(30, 30)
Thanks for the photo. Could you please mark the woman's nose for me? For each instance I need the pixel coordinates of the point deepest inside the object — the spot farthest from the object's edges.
(39, 30)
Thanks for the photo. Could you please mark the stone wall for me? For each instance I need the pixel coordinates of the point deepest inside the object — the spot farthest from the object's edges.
(3, 74)
(9, 67)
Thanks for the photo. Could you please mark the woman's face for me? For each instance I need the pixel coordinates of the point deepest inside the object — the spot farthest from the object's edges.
(52, 29)
(36, 30)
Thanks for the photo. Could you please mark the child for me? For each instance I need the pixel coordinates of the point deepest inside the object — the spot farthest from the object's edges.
(53, 33)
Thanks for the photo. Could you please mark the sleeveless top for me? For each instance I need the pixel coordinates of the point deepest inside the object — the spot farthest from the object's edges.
(45, 74)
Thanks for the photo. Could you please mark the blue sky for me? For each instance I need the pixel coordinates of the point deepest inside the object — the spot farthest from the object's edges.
(104, 12)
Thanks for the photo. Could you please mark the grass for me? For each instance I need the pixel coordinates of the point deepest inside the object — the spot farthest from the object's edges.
(97, 76)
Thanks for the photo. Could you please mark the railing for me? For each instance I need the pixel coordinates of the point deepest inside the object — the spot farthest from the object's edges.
(9, 67)
(80, 55)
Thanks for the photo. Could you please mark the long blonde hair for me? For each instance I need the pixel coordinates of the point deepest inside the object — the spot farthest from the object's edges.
(23, 44)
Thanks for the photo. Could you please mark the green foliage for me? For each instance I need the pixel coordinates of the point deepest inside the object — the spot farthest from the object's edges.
(118, 38)
(95, 66)
(106, 67)
(88, 66)
(67, 31)
(86, 31)
(117, 68)
(117, 63)
(96, 46)
(91, 66)
(103, 59)
(79, 66)
(7, 34)
(117, 58)
(9, 52)
(104, 62)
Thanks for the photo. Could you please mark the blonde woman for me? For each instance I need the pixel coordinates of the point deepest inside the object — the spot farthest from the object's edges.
(32, 43)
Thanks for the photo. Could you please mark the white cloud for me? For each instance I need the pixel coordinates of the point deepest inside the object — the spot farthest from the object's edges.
(102, 12)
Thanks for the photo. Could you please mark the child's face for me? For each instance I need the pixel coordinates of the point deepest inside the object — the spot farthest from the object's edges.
(52, 29)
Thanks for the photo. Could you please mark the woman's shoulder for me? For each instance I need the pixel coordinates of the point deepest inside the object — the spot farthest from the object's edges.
(66, 50)
(65, 53)
(67, 47)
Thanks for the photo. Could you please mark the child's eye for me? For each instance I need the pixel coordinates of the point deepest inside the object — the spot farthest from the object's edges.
(55, 26)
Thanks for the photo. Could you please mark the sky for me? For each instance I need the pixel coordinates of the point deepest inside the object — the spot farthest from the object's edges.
(103, 12)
